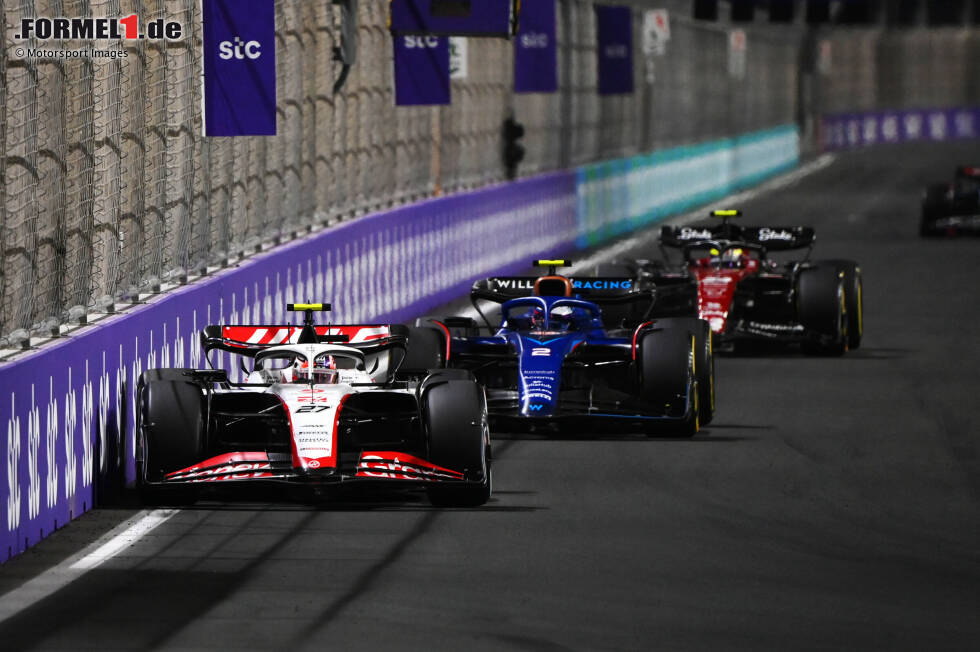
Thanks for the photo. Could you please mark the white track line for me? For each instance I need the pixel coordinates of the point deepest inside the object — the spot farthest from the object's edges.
(96, 553)
(619, 248)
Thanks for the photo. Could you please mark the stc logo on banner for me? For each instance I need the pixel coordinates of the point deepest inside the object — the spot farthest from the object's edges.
(534, 40)
(239, 49)
(239, 52)
(413, 42)
(616, 52)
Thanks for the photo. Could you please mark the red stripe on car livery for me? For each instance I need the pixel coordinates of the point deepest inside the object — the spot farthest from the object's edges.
(270, 335)
(229, 466)
(400, 466)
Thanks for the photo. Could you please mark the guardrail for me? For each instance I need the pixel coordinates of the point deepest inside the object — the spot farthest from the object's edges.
(70, 413)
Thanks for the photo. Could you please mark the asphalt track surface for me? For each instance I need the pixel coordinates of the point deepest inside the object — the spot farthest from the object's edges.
(834, 503)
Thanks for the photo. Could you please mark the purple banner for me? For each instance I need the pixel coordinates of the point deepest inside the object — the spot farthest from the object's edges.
(421, 70)
(535, 51)
(239, 67)
(614, 33)
(452, 17)
(850, 130)
(67, 410)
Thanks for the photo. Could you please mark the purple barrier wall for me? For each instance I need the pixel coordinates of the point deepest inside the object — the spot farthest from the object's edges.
(850, 130)
(69, 414)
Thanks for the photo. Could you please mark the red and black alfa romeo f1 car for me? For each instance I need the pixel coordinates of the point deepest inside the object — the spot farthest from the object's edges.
(728, 275)
(321, 405)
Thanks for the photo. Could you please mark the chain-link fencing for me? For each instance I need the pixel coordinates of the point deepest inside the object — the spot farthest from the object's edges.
(894, 69)
(110, 192)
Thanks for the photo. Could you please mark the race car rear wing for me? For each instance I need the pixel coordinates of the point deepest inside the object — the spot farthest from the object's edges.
(249, 340)
(618, 297)
(771, 238)
(597, 290)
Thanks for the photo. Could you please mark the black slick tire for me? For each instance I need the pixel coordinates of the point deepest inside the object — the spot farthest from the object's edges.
(704, 360)
(822, 305)
(170, 431)
(455, 418)
(854, 299)
(667, 381)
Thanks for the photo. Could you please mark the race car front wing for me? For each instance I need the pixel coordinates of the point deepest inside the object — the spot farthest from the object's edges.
(377, 466)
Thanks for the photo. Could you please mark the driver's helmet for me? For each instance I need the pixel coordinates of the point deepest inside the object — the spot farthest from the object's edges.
(322, 372)
(325, 371)
(537, 319)
(562, 318)
(733, 257)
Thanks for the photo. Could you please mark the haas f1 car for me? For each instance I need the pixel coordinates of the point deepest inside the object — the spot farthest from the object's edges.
(551, 360)
(321, 405)
(727, 277)
(953, 208)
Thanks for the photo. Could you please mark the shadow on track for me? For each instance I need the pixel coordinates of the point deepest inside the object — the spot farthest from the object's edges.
(150, 605)
(703, 437)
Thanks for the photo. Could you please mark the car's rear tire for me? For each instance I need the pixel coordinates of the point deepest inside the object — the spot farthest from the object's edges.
(455, 419)
(704, 360)
(426, 349)
(170, 432)
(822, 305)
(667, 377)
(854, 298)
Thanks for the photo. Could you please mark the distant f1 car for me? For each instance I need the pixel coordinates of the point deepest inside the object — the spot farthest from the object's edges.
(321, 405)
(953, 208)
(551, 360)
(727, 273)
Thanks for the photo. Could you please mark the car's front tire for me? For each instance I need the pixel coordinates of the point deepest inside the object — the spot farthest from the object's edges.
(822, 304)
(170, 432)
(704, 360)
(667, 382)
(854, 299)
(455, 419)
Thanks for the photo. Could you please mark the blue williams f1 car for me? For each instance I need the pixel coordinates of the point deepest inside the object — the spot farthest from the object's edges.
(551, 361)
